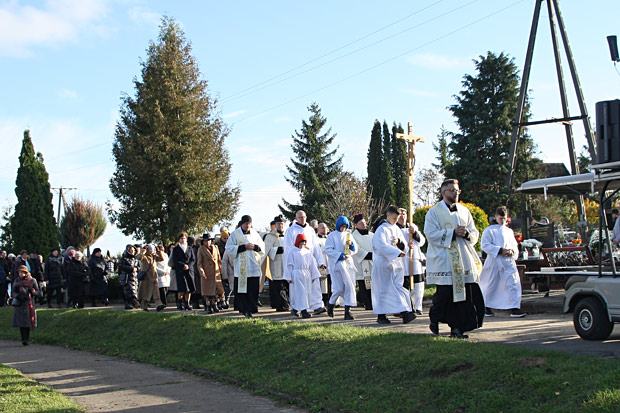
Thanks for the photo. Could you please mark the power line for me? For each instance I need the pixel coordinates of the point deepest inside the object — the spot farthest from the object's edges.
(346, 54)
(330, 52)
(382, 63)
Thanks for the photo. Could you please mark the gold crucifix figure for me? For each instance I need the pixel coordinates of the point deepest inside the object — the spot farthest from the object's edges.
(411, 141)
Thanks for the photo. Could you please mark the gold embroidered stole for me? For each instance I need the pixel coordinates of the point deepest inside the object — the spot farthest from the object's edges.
(242, 285)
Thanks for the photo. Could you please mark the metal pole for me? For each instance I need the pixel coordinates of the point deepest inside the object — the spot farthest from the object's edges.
(59, 201)
(573, 71)
(522, 94)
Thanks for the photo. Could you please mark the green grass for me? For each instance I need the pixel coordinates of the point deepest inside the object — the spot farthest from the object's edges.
(340, 367)
(21, 394)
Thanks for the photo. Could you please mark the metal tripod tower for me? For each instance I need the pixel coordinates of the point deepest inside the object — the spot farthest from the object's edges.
(554, 15)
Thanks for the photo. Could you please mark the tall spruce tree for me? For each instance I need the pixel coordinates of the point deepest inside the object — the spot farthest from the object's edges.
(315, 170)
(172, 168)
(484, 112)
(399, 168)
(443, 153)
(33, 226)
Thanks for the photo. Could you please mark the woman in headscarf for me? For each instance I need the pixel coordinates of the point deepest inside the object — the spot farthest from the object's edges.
(54, 275)
(128, 277)
(163, 276)
(23, 292)
(98, 272)
(148, 286)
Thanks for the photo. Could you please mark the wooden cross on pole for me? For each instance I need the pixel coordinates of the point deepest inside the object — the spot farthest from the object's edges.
(411, 141)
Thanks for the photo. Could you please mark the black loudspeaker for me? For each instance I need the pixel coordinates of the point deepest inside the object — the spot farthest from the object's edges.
(608, 131)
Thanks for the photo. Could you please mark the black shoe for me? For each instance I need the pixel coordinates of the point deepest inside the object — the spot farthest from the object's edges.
(408, 316)
(294, 313)
(434, 327)
(279, 310)
(305, 314)
(145, 309)
(128, 307)
(258, 303)
(320, 310)
(225, 306)
(347, 313)
(330, 310)
(368, 307)
(488, 312)
(219, 305)
(456, 333)
(160, 307)
(248, 315)
(24, 343)
(418, 312)
(106, 302)
(382, 319)
(517, 313)
(186, 306)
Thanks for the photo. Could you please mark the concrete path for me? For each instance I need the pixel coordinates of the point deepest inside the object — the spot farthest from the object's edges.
(107, 384)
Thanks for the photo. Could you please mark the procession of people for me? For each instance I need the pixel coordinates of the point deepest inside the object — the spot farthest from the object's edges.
(308, 269)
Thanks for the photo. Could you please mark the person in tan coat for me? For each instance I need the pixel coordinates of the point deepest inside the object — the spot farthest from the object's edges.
(148, 286)
(209, 267)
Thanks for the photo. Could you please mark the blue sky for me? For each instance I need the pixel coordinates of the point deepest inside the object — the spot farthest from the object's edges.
(65, 65)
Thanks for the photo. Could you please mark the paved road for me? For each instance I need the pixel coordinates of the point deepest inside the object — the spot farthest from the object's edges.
(108, 384)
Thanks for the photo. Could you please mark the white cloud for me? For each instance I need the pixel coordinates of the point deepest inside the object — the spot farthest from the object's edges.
(68, 94)
(416, 92)
(434, 61)
(23, 27)
(140, 14)
(234, 114)
(282, 119)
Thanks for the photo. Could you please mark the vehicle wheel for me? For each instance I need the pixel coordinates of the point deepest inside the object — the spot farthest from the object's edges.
(591, 320)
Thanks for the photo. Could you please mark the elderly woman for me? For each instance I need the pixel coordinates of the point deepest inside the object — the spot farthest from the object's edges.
(128, 271)
(209, 267)
(163, 276)
(78, 278)
(183, 259)
(97, 267)
(23, 292)
(148, 286)
(54, 275)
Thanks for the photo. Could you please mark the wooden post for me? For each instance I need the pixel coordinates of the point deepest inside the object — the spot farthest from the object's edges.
(411, 141)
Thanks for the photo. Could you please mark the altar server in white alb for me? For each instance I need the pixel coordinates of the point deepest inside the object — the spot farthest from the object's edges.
(274, 252)
(363, 260)
(302, 273)
(246, 247)
(300, 226)
(339, 247)
(414, 270)
(452, 264)
(388, 271)
(499, 280)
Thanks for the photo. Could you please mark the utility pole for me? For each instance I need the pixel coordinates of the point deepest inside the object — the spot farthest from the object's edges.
(61, 202)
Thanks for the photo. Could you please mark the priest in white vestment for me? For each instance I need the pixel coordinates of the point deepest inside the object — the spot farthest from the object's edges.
(388, 271)
(363, 260)
(300, 226)
(340, 247)
(452, 264)
(499, 280)
(246, 247)
(302, 273)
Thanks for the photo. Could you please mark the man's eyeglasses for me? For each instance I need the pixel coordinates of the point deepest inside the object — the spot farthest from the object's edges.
(454, 190)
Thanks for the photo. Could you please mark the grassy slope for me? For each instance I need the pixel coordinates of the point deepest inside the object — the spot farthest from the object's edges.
(340, 367)
(20, 394)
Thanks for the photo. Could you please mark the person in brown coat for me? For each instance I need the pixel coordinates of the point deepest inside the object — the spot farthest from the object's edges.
(148, 286)
(209, 267)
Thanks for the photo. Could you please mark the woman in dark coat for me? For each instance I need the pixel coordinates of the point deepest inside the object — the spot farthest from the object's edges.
(24, 291)
(183, 259)
(98, 271)
(128, 269)
(78, 278)
(54, 275)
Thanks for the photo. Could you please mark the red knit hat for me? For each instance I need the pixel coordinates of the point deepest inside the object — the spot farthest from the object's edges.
(300, 237)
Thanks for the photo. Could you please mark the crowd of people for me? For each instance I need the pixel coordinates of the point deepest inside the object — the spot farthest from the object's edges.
(309, 270)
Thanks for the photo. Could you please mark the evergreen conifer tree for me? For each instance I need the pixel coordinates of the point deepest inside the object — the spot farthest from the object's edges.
(399, 168)
(443, 153)
(484, 112)
(388, 164)
(376, 177)
(172, 168)
(33, 226)
(315, 170)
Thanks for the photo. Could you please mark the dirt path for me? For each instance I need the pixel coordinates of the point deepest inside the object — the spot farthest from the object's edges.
(107, 384)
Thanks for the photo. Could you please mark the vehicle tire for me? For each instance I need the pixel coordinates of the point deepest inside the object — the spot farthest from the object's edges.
(591, 320)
